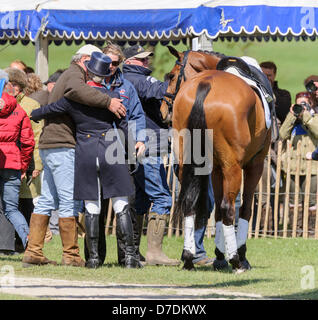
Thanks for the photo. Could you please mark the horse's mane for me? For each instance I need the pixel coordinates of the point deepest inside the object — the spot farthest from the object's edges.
(213, 53)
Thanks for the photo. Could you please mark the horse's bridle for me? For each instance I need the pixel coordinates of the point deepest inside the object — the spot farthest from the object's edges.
(181, 77)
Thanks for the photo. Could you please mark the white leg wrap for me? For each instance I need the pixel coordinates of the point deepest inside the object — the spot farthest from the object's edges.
(189, 242)
(230, 241)
(219, 237)
(242, 231)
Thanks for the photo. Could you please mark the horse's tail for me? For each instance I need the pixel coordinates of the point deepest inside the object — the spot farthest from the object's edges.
(194, 188)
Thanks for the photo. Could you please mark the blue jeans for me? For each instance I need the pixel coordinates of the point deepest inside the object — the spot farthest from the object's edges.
(10, 182)
(58, 183)
(200, 252)
(151, 187)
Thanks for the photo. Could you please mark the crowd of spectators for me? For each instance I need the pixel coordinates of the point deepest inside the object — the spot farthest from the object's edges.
(297, 123)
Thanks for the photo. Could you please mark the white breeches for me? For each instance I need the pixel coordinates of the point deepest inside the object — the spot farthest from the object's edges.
(94, 206)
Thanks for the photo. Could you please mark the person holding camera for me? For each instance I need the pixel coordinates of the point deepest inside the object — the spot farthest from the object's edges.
(301, 124)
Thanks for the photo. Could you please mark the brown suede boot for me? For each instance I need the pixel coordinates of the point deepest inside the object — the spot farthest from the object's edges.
(69, 236)
(155, 233)
(48, 235)
(33, 254)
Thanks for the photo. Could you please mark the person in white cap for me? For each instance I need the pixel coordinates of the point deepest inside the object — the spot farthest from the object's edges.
(57, 151)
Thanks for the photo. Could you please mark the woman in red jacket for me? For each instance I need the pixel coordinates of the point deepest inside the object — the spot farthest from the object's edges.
(16, 148)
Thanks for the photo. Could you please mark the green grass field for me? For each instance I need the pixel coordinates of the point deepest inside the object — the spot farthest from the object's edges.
(295, 60)
(276, 268)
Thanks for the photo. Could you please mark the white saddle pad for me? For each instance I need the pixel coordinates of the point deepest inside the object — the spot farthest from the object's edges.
(254, 85)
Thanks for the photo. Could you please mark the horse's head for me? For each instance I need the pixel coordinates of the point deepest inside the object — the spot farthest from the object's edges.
(188, 64)
(175, 77)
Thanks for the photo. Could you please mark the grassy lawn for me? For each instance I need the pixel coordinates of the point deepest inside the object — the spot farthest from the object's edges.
(276, 273)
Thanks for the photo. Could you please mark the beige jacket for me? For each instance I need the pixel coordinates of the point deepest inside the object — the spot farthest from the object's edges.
(34, 189)
(309, 142)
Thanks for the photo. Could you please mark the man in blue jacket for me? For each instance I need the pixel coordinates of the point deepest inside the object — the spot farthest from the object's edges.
(150, 179)
(150, 92)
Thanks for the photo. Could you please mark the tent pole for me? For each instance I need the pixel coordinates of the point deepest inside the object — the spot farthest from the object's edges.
(41, 57)
(201, 43)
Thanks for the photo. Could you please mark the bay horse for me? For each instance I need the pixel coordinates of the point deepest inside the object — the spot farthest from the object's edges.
(205, 98)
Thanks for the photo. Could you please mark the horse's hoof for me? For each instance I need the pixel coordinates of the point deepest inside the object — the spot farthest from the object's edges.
(219, 265)
(239, 270)
(187, 257)
(188, 267)
(244, 266)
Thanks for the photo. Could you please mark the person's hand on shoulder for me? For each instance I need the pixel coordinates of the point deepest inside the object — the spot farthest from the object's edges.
(117, 108)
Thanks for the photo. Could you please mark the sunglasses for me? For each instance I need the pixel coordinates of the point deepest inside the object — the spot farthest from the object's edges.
(115, 63)
(142, 59)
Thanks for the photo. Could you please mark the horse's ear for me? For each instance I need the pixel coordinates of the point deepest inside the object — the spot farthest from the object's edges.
(174, 52)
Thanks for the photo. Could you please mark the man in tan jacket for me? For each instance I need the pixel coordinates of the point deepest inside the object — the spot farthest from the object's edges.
(57, 151)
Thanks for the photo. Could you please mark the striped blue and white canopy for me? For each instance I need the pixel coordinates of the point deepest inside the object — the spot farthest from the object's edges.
(155, 20)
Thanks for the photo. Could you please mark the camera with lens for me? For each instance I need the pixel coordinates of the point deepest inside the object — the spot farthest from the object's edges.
(298, 108)
(311, 87)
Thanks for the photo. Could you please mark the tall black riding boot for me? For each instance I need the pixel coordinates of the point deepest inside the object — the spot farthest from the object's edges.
(120, 245)
(92, 237)
(137, 221)
(125, 228)
(102, 236)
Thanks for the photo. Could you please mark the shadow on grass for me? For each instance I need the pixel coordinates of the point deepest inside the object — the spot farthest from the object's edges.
(224, 284)
(303, 295)
(76, 291)
(227, 270)
(11, 258)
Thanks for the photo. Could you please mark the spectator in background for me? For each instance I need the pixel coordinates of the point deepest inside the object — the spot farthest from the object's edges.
(34, 84)
(151, 92)
(31, 184)
(301, 125)
(18, 64)
(38, 93)
(282, 97)
(282, 102)
(15, 128)
(50, 83)
(150, 179)
(314, 93)
(28, 70)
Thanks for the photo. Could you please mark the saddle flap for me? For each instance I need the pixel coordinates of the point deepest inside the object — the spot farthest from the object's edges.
(235, 62)
(248, 71)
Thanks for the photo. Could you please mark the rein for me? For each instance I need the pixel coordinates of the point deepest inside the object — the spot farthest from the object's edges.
(181, 77)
